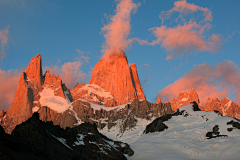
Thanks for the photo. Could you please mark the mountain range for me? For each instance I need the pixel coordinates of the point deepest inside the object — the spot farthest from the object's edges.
(112, 104)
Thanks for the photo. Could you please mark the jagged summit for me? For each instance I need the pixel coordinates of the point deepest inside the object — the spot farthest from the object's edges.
(29, 85)
(185, 98)
(112, 74)
(30, 97)
(225, 106)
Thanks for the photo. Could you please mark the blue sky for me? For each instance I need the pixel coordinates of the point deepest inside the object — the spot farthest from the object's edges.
(56, 28)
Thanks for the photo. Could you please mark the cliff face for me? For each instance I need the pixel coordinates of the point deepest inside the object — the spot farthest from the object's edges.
(114, 75)
(27, 91)
(28, 95)
(136, 82)
(225, 106)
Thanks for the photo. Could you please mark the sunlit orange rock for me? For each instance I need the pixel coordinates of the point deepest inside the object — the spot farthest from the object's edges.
(27, 91)
(114, 75)
(55, 83)
(185, 98)
(1, 113)
(158, 101)
(27, 96)
(136, 82)
(21, 108)
(34, 72)
(225, 106)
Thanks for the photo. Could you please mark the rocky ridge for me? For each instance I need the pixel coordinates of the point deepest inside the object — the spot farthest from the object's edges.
(185, 98)
(225, 106)
(27, 97)
(35, 139)
(54, 101)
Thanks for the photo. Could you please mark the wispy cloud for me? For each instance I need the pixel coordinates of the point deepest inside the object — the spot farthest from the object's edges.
(81, 56)
(188, 35)
(4, 41)
(69, 72)
(117, 30)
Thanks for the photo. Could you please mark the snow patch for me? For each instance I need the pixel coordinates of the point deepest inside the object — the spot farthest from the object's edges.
(35, 109)
(96, 89)
(75, 115)
(184, 99)
(62, 140)
(56, 103)
(79, 140)
(101, 107)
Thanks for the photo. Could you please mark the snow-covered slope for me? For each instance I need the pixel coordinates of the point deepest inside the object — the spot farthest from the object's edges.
(186, 138)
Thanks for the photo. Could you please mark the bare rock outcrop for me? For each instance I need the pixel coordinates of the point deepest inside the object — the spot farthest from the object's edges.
(136, 82)
(127, 115)
(114, 75)
(186, 98)
(27, 92)
(158, 101)
(27, 97)
(225, 106)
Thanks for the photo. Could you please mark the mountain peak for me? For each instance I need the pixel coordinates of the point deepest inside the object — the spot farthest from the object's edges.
(114, 75)
(158, 101)
(185, 98)
(225, 106)
(34, 71)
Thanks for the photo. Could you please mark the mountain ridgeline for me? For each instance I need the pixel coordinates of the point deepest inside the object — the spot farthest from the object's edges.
(54, 120)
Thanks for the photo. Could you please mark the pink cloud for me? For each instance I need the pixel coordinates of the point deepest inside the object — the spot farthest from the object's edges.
(169, 57)
(118, 29)
(4, 40)
(69, 72)
(81, 56)
(188, 35)
(185, 8)
(208, 81)
(8, 86)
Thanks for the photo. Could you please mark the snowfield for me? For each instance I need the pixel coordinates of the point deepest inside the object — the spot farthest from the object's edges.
(56, 103)
(184, 139)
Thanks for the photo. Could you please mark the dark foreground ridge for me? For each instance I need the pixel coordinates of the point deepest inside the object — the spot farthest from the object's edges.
(38, 140)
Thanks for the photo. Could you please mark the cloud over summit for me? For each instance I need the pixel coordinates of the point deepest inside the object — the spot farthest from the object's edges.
(118, 28)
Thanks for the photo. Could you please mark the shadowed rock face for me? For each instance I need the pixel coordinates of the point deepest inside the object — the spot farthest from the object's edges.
(35, 139)
(114, 75)
(127, 115)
